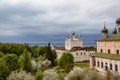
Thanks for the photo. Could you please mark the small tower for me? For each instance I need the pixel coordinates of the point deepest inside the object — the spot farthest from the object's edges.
(73, 35)
(118, 25)
(104, 32)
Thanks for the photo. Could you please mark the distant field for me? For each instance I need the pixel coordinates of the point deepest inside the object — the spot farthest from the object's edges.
(82, 64)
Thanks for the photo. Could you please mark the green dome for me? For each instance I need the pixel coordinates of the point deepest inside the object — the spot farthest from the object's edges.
(118, 21)
(104, 30)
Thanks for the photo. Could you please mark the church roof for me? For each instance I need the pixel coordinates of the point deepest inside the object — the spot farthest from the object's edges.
(114, 37)
(106, 56)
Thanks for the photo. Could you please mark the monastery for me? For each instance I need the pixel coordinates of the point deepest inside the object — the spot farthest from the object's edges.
(74, 45)
(108, 51)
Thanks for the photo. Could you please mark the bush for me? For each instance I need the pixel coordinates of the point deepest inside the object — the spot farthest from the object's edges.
(50, 74)
(11, 61)
(20, 75)
(75, 74)
(1, 54)
(4, 70)
(66, 61)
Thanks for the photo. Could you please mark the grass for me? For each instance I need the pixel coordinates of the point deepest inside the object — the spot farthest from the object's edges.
(107, 56)
(82, 64)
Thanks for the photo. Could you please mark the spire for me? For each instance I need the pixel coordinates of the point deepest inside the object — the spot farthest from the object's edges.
(73, 33)
(80, 36)
(67, 35)
(104, 24)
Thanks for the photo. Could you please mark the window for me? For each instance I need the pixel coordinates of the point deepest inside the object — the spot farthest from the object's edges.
(109, 51)
(116, 68)
(98, 63)
(77, 54)
(101, 64)
(110, 66)
(94, 63)
(101, 50)
(117, 51)
(81, 53)
(84, 53)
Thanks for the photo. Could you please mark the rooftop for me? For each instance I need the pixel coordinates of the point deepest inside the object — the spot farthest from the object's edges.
(107, 56)
(114, 37)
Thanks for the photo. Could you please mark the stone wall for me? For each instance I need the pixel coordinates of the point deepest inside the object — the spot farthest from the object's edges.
(108, 46)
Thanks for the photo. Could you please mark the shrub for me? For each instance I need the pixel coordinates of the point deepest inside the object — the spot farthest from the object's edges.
(66, 61)
(50, 74)
(20, 75)
(75, 74)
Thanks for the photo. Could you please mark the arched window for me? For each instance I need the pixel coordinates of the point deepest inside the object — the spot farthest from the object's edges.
(117, 51)
(101, 50)
(116, 67)
(98, 64)
(101, 64)
(110, 66)
(109, 51)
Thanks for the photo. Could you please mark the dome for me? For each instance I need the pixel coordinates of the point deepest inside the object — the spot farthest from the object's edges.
(118, 21)
(104, 30)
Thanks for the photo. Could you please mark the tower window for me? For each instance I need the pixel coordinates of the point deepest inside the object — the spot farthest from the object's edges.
(117, 51)
(109, 51)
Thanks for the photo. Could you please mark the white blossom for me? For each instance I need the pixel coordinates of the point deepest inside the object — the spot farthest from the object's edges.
(50, 74)
(20, 75)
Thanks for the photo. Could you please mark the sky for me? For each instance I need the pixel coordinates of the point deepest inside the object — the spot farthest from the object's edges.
(41, 20)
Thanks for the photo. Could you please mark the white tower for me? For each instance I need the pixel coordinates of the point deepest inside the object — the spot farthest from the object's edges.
(73, 42)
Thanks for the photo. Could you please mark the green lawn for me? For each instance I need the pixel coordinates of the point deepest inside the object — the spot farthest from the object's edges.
(82, 64)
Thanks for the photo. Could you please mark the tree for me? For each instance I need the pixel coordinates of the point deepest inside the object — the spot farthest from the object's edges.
(40, 51)
(11, 61)
(25, 61)
(66, 61)
(50, 54)
(1, 54)
(4, 70)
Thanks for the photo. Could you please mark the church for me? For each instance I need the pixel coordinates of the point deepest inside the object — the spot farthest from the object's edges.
(108, 51)
(73, 41)
(74, 45)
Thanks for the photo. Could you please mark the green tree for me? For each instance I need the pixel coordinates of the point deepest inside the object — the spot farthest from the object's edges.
(50, 54)
(40, 51)
(11, 61)
(66, 61)
(4, 70)
(1, 54)
(25, 61)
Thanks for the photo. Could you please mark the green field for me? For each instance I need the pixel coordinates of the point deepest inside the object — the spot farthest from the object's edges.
(82, 64)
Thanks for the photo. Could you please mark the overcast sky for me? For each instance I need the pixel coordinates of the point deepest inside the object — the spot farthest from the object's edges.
(25, 19)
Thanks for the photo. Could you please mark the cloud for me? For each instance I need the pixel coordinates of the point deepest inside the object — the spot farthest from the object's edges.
(43, 17)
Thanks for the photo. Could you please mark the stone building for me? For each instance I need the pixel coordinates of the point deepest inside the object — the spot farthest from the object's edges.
(108, 51)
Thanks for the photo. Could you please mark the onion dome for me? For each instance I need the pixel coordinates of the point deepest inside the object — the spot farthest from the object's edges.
(118, 21)
(73, 33)
(104, 30)
(114, 31)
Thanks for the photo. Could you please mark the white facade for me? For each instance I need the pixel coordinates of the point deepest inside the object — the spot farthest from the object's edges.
(73, 42)
(79, 55)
